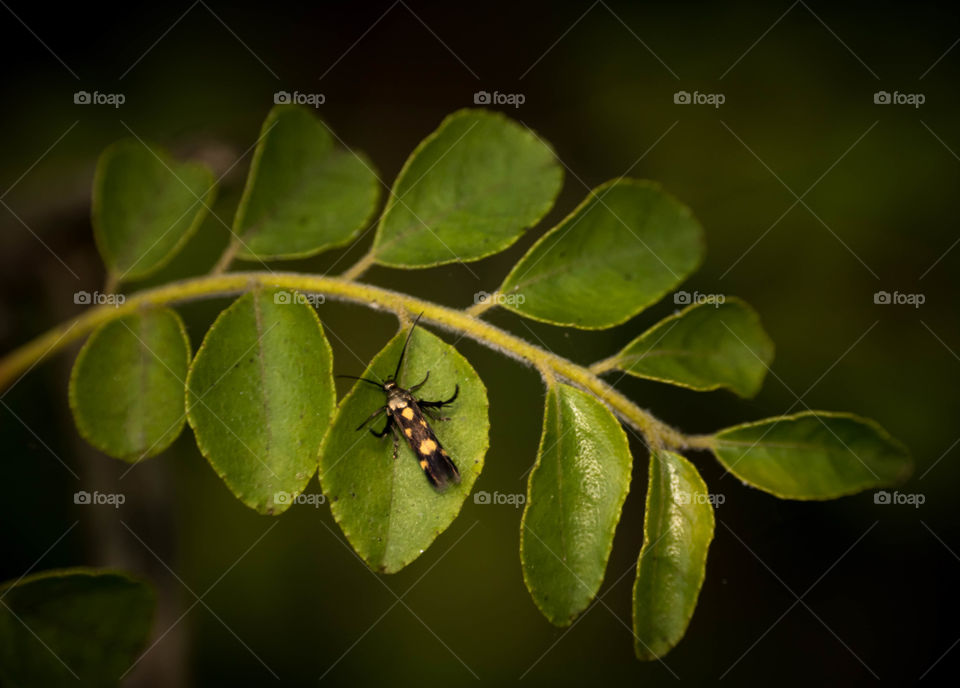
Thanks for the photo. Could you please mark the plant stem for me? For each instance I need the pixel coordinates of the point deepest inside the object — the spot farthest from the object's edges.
(478, 309)
(549, 365)
(227, 256)
(360, 267)
(606, 364)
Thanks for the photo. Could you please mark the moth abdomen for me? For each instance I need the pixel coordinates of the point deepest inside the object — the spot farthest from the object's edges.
(431, 455)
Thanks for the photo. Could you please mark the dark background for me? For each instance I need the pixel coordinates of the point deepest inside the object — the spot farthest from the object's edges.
(877, 581)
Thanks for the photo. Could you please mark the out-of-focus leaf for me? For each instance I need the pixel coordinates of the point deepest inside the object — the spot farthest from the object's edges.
(813, 455)
(304, 193)
(386, 507)
(703, 347)
(126, 388)
(678, 528)
(145, 207)
(260, 396)
(74, 627)
(574, 497)
(619, 251)
(469, 190)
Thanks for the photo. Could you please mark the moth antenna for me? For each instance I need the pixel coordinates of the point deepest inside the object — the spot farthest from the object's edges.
(396, 374)
(362, 379)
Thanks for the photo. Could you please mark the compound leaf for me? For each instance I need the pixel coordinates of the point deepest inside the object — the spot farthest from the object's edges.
(574, 497)
(126, 387)
(812, 455)
(304, 193)
(260, 396)
(619, 251)
(678, 527)
(469, 190)
(386, 508)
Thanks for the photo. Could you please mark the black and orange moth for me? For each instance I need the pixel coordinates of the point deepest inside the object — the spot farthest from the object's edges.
(405, 416)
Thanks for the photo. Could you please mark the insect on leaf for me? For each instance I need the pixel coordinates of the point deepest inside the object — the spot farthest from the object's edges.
(386, 507)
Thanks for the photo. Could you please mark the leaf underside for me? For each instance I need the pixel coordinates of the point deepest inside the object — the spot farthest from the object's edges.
(575, 493)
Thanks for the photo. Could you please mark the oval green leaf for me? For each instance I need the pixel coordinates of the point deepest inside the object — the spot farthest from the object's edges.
(677, 530)
(260, 396)
(387, 508)
(574, 497)
(145, 207)
(304, 193)
(813, 455)
(469, 190)
(703, 347)
(619, 251)
(126, 387)
(74, 627)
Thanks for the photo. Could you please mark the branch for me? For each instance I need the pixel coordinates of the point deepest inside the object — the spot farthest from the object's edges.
(550, 366)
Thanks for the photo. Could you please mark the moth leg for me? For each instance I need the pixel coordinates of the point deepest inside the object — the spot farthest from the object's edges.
(421, 384)
(439, 404)
(396, 444)
(386, 428)
(433, 414)
(373, 416)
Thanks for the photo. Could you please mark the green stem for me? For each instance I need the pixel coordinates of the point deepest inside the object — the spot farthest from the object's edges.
(605, 365)
(549, 365)
(229, 253)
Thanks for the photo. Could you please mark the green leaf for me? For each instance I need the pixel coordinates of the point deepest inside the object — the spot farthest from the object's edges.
(813, 455)
(126, 387)
(73, 627)
(145, 207)
(703, 347)
(677, 530)
(386, 507)
(574, 497)
(260, 396)
(619, 251)
(469, 190)
(304, 193)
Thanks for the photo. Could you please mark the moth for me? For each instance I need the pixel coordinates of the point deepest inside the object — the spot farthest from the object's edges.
(406, 416)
